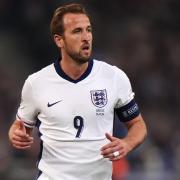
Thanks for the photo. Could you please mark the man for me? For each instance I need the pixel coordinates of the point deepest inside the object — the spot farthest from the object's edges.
(72, 102)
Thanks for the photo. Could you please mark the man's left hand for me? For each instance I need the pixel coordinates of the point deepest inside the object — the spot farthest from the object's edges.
(116, 149)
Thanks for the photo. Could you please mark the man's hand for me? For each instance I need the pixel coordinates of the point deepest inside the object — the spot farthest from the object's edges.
(116, 145)
(18, 136)
(119, 148)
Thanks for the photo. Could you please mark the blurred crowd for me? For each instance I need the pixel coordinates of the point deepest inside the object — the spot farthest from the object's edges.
(140, 37)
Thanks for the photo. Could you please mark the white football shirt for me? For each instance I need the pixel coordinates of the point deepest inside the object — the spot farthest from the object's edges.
(73, 117)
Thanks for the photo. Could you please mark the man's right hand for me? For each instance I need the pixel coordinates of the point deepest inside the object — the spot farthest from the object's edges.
(19, 137)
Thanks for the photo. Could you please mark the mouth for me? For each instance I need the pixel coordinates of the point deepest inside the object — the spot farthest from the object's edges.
(86, 47)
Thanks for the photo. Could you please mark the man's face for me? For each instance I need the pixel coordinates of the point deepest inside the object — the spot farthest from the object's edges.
(77, 37)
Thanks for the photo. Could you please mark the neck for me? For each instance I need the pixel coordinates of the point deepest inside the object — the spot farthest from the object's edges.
(73, 69)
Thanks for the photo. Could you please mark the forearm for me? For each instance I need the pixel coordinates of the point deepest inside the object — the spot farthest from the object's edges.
(137, 132)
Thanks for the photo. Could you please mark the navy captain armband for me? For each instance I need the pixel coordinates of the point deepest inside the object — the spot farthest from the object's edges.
(128, 112)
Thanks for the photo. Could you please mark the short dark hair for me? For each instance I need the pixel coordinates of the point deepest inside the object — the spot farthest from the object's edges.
(56, 26)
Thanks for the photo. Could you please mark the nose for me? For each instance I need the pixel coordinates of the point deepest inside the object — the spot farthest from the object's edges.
(86, 36)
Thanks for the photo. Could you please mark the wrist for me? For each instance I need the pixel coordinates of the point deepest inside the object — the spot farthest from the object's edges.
(129, 145)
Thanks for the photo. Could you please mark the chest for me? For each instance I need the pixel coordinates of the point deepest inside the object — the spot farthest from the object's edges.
(63, 103)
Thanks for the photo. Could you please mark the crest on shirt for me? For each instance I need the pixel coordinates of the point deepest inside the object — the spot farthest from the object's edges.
(99, 98)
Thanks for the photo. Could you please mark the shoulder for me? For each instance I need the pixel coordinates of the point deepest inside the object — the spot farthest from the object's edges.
(41, 74)
(109, 69)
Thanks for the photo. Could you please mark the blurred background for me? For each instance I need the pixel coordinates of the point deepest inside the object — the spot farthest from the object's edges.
(140, 37)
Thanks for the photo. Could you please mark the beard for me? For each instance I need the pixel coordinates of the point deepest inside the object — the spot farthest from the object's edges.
(78, 57)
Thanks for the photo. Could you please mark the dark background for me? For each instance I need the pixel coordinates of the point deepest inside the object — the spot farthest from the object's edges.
(140, 37)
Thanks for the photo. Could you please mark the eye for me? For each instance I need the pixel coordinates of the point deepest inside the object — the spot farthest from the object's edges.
(77, 30)
(89, 29)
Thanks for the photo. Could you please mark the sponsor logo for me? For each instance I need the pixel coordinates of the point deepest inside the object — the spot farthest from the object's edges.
(52, 104)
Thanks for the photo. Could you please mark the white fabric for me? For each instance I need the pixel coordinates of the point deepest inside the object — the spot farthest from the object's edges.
(65, 157)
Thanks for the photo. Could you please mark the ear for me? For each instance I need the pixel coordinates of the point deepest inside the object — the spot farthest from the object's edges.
(58, 40)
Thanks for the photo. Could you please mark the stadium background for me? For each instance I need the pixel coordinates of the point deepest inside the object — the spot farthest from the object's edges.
(140, 37)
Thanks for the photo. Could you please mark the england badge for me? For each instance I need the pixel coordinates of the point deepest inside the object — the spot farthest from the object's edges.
(99, 97)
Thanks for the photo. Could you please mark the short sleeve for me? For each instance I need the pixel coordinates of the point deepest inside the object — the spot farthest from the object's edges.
(126, 107)
(124, 89)
(27, 110)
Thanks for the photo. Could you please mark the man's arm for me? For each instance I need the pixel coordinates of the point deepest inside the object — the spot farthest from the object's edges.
(137, 132)
(20, 136)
